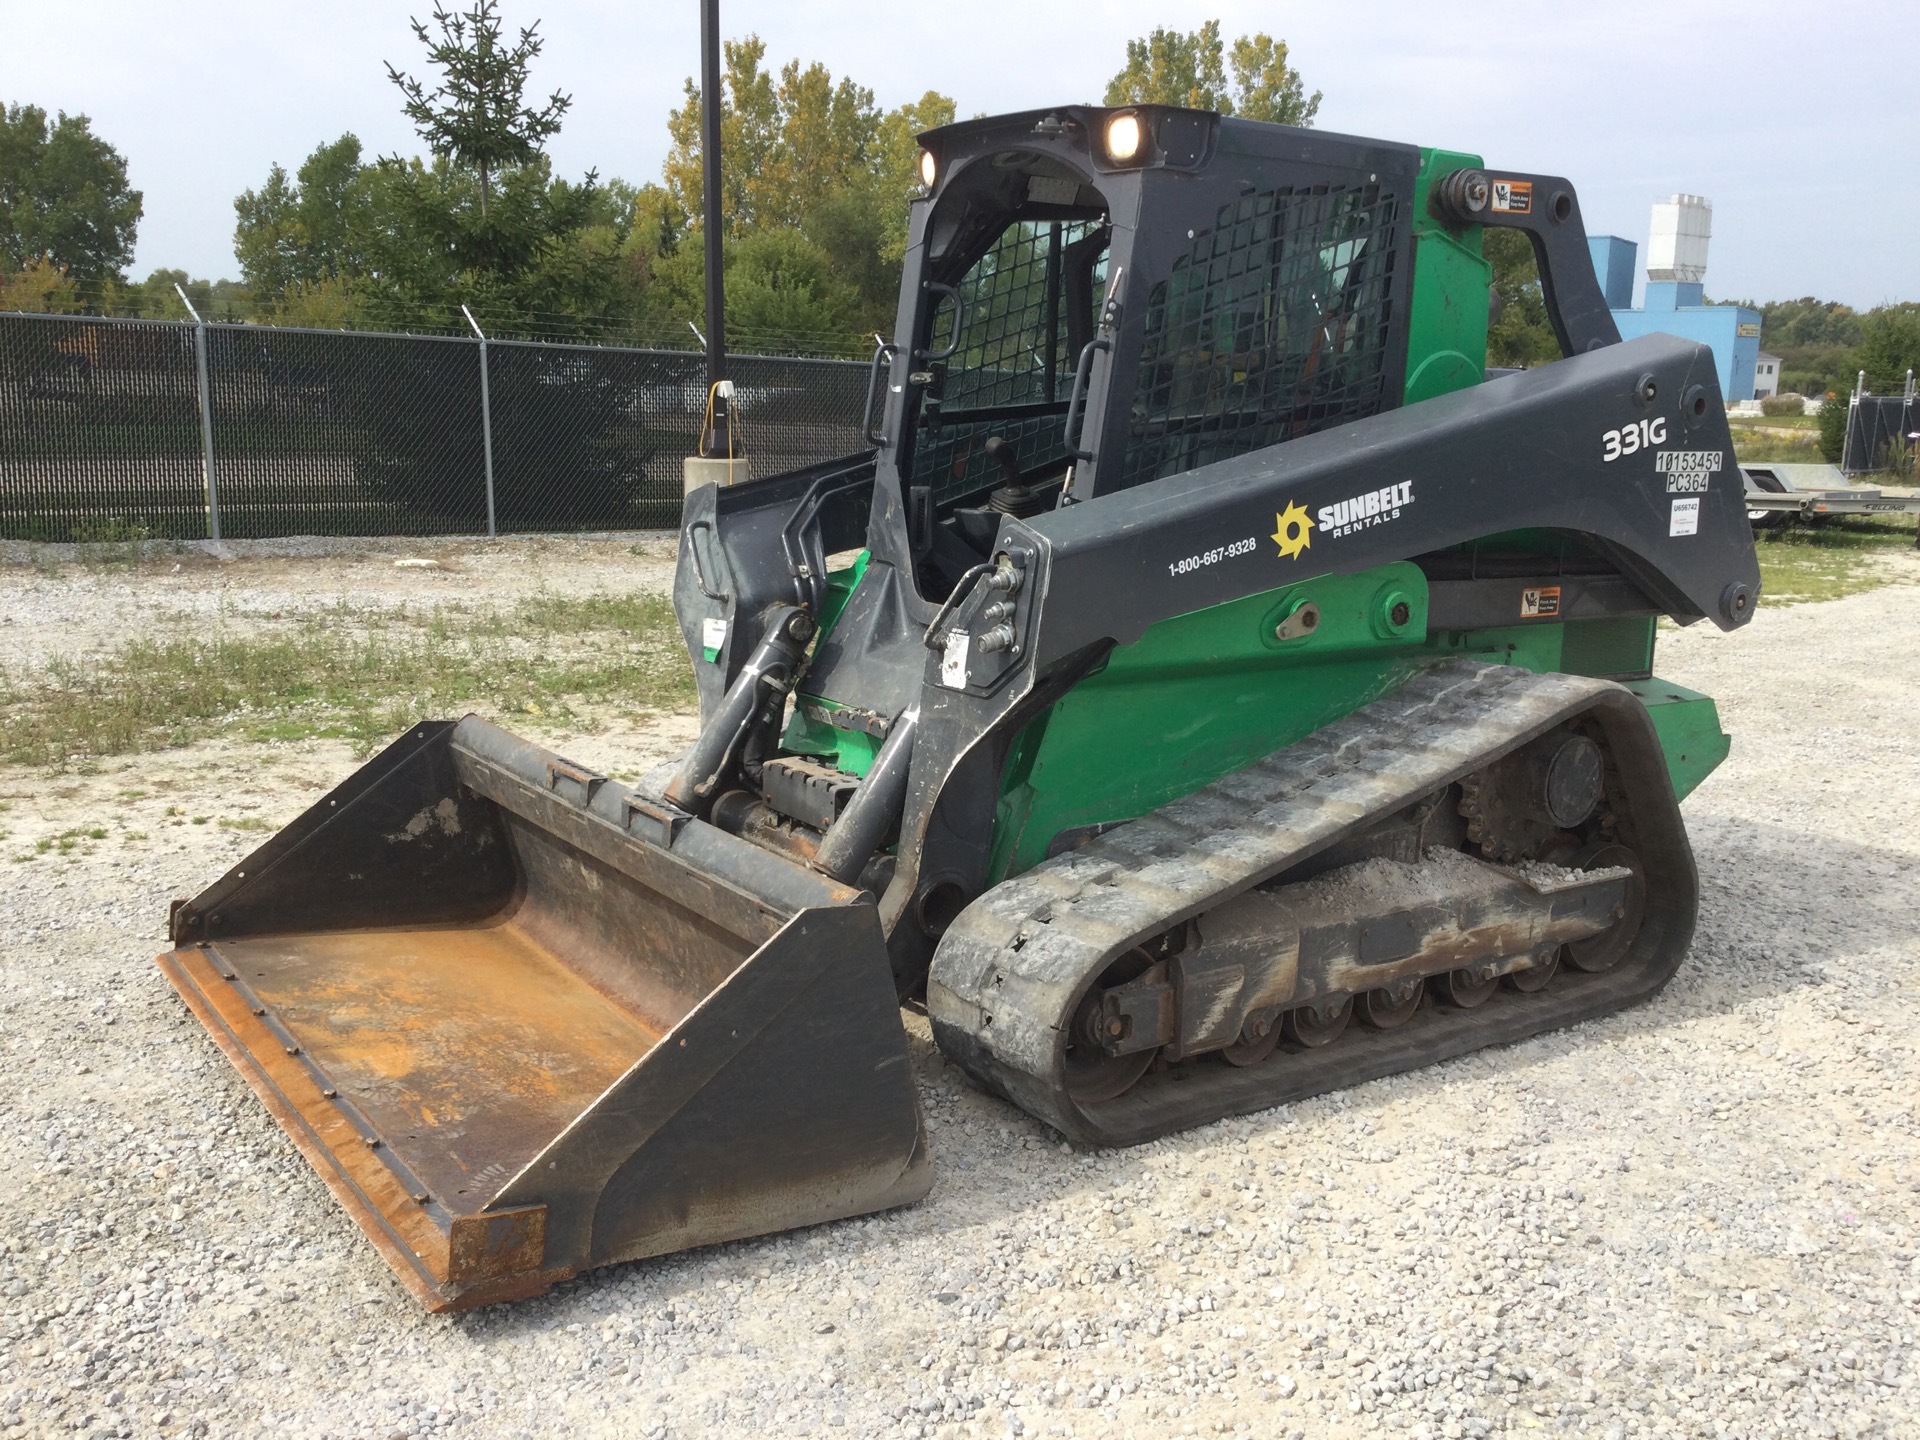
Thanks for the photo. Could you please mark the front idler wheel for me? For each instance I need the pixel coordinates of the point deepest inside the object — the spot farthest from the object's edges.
(1311, 1026)
(1093, 1073)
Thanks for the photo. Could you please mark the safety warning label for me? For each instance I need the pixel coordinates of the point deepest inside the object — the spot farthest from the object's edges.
(1536, 604)
(1513, 197)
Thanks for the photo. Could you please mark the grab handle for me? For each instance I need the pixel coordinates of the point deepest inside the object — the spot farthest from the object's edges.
(1082, 376)
(883, 352)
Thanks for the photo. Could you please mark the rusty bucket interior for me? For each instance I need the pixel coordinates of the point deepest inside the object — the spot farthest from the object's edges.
(525, 1021)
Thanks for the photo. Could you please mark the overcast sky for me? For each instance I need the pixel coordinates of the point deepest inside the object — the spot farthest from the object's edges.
(1797, 121)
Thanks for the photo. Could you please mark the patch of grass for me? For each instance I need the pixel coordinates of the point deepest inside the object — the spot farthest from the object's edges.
(630, 615)
(112, 541)
(245, 822)
(66, 842)
(347, 674)
(1828, 560)
(1757, 449)
(1793, 422)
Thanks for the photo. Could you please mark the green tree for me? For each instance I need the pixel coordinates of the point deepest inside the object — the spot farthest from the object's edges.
(1815, 340)
(1789, 324)
(482, 220)
(156, 298)
(782, 288)
(64, 197)
(477, 115)
(548, 245)
(1832, 418)
(1519, 333)
(786, 143)
(39, 287)
(1171, 67)
(305, 230)
(806, 153)
(1889, 346)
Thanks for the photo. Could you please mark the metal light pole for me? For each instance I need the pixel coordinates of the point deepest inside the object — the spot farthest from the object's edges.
(715, 439)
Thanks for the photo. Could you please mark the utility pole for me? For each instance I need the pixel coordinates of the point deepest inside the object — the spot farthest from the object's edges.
(717, 460)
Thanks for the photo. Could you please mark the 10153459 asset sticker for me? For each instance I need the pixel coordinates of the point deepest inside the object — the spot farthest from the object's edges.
(1688, 471)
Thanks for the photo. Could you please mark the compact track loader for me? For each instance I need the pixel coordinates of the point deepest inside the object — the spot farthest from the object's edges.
(1209, 690)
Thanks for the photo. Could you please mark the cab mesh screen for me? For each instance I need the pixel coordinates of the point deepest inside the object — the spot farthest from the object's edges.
(1274, 324)
(1012, 373)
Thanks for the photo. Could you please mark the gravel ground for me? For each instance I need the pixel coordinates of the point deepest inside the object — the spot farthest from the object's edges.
(1694, 1219)
(77, 599)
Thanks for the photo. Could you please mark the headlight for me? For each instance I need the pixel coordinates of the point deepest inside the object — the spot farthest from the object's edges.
(929, 169)
(1124, 136)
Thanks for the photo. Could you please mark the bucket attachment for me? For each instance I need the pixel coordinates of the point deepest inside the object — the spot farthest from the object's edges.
(524, 1021)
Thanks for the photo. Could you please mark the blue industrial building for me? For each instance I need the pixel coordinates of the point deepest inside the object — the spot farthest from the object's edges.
(1674, 307)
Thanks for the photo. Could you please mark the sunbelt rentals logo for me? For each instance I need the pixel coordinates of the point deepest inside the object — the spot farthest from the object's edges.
(1294, 526)
(1375, 507)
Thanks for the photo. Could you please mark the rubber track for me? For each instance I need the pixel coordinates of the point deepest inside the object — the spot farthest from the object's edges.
(1009, 972)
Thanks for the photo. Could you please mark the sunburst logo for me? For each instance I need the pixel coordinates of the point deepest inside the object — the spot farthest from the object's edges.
(1294, 532)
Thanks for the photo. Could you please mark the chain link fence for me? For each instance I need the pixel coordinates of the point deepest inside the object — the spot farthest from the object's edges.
(189, 431)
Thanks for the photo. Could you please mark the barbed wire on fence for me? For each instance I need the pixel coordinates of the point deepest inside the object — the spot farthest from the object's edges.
(376, 314)
(333, 432)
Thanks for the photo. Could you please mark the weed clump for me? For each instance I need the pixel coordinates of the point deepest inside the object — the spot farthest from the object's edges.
(343, 673)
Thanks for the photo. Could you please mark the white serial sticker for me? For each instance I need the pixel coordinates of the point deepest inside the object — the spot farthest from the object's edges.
(953, 660)
(1686, 516)
(713, 634)
(1688, 462)
(1688, 471)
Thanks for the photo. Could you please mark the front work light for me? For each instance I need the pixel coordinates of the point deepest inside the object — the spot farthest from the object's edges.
(929, 169)
(1124, 135)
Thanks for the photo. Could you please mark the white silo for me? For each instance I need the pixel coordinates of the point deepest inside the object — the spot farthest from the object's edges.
(1677, 242)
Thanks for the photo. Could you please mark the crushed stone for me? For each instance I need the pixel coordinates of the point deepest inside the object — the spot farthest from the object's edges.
(1694, 1218)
